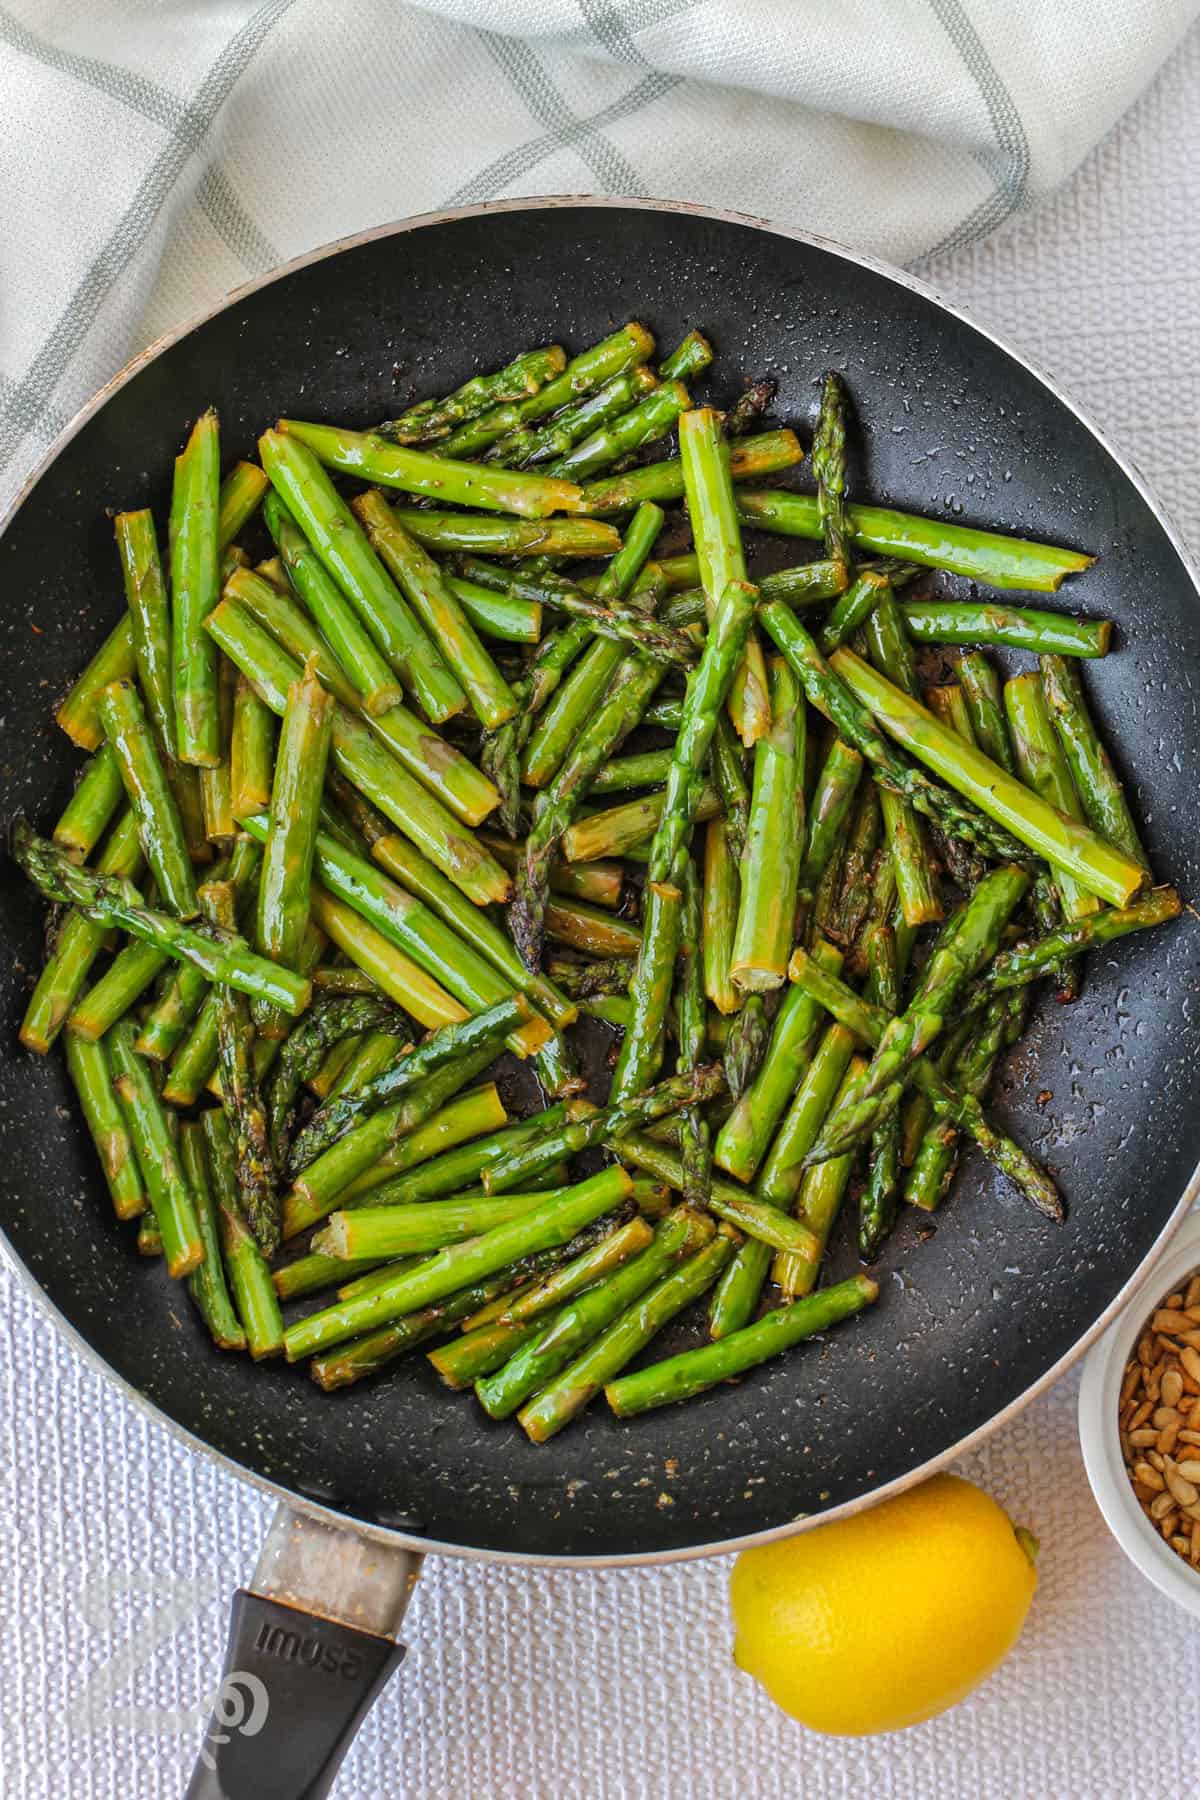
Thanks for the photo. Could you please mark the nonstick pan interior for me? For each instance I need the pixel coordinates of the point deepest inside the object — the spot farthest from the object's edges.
(978, 1302)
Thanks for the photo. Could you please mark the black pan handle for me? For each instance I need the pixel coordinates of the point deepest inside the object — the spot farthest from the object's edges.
(311, 1643)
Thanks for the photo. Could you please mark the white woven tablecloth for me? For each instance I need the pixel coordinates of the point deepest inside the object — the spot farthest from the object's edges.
(118, 1547)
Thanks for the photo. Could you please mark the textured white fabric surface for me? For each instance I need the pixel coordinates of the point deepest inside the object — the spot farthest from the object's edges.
(156, 152)
(118, 1547)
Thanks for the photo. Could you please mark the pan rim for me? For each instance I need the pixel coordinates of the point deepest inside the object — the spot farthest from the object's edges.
(689, 1552)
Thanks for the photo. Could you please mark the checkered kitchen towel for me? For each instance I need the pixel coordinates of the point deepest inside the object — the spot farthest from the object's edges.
(155, 153)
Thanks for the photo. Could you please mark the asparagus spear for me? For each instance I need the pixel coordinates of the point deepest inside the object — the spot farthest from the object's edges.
(623, 349)
(338, 539)
(878, 1201)
(819, 1201)
(719, 916)
(981, 688)
(690, 357)
(149, 622)
(113, 901)
(364, 1147)
(88, 813)
(708, 493)
(736, 1296)
(128, 732)
(933, 1166)
(743, 1138)
(1114, 874)
(567, 710)
(528, 446)
(827, 689)
(964, 948)
(485, 533)
(646, 768)
(329, 1022)
(185, 987)
(868, 1023)
(1013, 627)
(783, 1171)
(540, 1358)
(239, 498)
(833, 796)
(585, 1128)
(693, 1371)
(707, 690)
(91, 1078)
(113, 661)
(509, 617)
(768, 453)
(437, 765)
(691, 1021)
(1024, 963)
(650, 419)
(254, 1164)
(206, 1284)
(552, 1223)
(829, 467)
(439, 609)
(617, 1243)
(465, 1119)
(746, 1044)
(122, 985)
(342, 1114)
(770, 865)
(729, 777)
(216, 793)
(1096, 781)
(351, 643)
(616, 716)
(1043, 767)
(195, 581)
(758, 1218)
(525, 375)
(416, 930)
(251, 751)
(364, 762)
(161, 1171)
(986, 556)
(285, 883)
(395, 974)
(891, 652)
(566, 1396)
(622, 625)
(374, 1350)
(249, 1277)
(77, 945)
(390, 1231)
(418, 875)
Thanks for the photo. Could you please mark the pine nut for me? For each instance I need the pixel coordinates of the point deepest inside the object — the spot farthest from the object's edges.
(1161, 1505)
(1190, 1470)
(1186, 1492)
(1164, 1415)
(1190, 1359)
(1142, 1439)
(1149, 1477)
(1167, 1437)
(1171, 1388)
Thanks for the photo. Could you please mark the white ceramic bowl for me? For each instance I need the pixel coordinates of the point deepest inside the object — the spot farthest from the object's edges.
(1099, 1398)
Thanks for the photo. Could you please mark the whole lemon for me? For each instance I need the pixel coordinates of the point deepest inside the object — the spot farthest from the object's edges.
(875, 1622)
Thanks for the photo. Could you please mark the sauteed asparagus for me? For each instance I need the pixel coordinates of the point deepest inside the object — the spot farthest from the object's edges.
(789, 830)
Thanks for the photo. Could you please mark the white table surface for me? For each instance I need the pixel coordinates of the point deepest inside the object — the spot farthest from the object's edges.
(118, 1547)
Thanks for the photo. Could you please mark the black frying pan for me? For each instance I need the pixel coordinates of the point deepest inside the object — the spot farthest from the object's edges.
(975, 1314)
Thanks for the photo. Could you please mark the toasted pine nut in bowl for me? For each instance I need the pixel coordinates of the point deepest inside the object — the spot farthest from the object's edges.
(1139, 1422)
